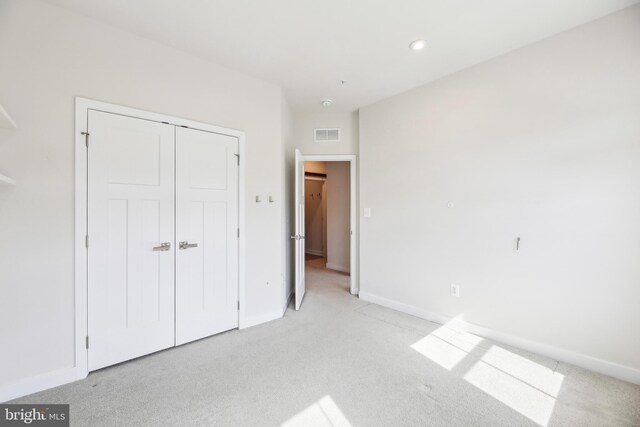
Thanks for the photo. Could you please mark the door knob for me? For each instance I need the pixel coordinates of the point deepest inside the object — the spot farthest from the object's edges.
(163, 247)
(296, 237)
(187, 245)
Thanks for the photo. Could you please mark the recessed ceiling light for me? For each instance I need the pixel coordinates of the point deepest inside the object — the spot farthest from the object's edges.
(418, 44)
(326, 103)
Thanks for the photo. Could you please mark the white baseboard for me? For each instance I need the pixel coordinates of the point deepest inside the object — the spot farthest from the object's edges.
(591, 363)
(313, 252)
(337, 267)
(259, 319)
(38, 383)
(60, 377)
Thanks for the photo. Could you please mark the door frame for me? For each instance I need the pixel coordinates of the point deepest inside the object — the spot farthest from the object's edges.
(82, 107)
(353, 249)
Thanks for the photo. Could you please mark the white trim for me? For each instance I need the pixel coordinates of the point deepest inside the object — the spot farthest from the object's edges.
(612, 369)
(38, 383)
(352, 159)
(313, 252)
(286, 305)
(337, 267)
(260, 318)
(83, 106)
(106, 107)
(80, 275)
(242, 290)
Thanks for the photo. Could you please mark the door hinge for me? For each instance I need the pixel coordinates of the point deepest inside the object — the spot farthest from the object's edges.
(87, 342)
(86, 241)
(86, 138)
(238, 157)
(238, 305)
(238, 233)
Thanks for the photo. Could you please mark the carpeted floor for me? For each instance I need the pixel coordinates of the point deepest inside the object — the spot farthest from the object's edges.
(341, 361)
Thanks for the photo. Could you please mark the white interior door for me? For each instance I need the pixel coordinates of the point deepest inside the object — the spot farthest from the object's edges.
(299, 228)
(130, 236)
(206, 234)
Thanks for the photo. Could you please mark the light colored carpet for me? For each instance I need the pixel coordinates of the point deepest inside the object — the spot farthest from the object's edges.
(341, 361)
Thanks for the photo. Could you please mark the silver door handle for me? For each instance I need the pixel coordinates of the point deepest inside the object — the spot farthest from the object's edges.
(163, 247)
(187, 245)
(296, 237)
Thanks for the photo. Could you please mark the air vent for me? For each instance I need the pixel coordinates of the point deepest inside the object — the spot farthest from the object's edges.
(327, 135)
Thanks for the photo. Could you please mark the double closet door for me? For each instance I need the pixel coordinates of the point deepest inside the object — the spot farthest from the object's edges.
(162, 236)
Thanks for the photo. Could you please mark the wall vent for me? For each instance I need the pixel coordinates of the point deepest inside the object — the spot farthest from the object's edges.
(327, 135)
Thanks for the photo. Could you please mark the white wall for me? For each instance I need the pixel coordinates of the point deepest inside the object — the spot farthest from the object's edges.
(338, 216)
(543, 144)
(49, 56)
(287, 185)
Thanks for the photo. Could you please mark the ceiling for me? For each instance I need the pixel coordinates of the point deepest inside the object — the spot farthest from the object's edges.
(309, 46)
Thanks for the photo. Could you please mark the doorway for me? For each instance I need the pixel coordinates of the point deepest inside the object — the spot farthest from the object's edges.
(327, 214)
(325, 225)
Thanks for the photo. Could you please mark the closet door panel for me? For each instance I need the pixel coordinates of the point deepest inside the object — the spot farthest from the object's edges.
(206, 234)
(130, 212)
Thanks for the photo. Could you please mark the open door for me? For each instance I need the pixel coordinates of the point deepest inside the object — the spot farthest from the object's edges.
(299, 228)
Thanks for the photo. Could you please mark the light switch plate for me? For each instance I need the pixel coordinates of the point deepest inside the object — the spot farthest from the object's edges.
(455, 291)
(367, 212)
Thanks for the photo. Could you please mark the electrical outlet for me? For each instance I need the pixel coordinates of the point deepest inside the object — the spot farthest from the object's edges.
(455, 291)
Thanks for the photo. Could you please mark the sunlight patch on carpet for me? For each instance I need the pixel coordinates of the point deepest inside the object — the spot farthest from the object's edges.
(323, 413)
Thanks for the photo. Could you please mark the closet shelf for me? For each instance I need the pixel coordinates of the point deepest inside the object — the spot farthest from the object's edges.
(5, 180)
(6, 122)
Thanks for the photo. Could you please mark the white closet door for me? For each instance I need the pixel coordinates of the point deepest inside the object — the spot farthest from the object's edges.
(206, 234)
(130, 212)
